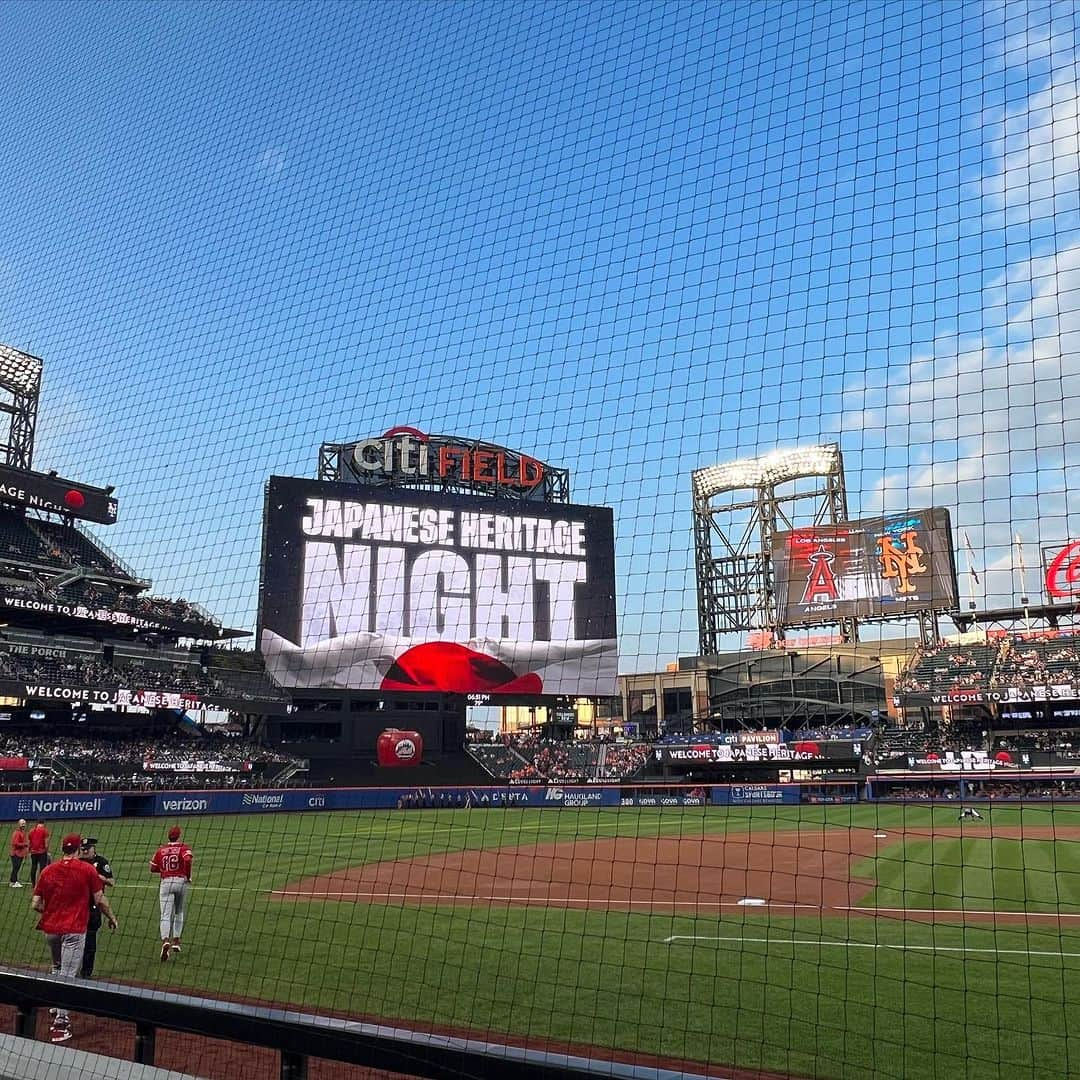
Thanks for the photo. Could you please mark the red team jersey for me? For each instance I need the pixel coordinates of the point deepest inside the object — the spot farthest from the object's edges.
(172, 860)
(39, 840)
(67, 887)
(19, 846)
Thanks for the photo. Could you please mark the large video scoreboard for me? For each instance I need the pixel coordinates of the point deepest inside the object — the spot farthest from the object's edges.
(382, 589)
(874, 568)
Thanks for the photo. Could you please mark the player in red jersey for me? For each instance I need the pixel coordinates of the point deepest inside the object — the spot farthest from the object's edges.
(173, 862)
(39, 850)
(62, 897)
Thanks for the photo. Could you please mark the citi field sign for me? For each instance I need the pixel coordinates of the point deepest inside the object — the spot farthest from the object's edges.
(405, 453)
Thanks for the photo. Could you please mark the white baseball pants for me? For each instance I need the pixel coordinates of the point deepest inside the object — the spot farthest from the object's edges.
(172, 895)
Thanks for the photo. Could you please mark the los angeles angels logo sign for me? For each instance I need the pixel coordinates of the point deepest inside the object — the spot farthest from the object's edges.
(820, 581)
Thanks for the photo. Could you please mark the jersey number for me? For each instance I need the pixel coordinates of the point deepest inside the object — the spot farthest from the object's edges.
(170, 863)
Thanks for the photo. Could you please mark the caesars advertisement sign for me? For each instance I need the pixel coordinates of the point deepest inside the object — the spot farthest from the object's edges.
(368, 589)
(874, 568)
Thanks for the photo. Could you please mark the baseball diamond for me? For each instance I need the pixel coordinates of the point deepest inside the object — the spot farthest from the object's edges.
(357, 913)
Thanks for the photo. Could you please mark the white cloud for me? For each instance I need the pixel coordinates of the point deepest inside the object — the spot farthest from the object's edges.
(992, 420)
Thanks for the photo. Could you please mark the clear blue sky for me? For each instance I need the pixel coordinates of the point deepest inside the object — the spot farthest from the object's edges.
(631, 239)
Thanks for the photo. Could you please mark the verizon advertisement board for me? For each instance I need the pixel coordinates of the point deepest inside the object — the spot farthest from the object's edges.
(411, 590)
(876, 568)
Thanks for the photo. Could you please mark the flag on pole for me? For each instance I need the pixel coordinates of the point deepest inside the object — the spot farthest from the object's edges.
(971, 558)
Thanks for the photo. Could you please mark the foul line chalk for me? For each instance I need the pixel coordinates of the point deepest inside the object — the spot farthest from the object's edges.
(819, 944)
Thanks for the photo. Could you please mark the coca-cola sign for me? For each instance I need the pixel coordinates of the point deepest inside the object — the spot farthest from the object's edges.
(1062, 577)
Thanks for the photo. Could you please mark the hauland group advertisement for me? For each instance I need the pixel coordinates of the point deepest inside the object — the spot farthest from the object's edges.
(412, 590)
(883, 567)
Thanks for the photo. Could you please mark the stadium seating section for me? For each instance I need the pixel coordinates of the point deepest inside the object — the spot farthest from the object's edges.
(524, 757)
(1008, 661)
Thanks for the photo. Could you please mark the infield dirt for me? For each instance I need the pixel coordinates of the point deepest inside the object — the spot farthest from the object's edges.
(800, 871)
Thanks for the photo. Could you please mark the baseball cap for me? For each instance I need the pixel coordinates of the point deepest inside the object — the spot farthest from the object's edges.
(71, 842)
(88, 841)
(174, 833)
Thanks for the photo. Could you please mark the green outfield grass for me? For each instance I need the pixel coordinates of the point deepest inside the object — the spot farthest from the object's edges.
(827, 996)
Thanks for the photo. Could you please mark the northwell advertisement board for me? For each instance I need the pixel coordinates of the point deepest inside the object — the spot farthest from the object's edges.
(368, 589)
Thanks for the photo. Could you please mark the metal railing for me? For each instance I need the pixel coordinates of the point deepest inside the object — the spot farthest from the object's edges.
(298, 1036)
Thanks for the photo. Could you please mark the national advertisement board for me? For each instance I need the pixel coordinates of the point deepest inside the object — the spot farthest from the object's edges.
(408, 590)
(875, 568)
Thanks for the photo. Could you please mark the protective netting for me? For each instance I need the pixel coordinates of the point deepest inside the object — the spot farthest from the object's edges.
(569, 509)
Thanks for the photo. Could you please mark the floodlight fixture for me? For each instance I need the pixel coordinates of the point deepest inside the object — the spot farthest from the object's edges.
(20, 373)
(738, 509)
(777, 467)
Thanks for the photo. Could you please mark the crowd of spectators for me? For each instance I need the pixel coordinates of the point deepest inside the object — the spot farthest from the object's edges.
(88, 753)
(940, 668)
(91, 671)
(840, 732)
(526, 756)
(1024, 789)
(549, 761)
(1036, 662)
(623, 762)
(178, 615)
(1009, 662)
(1063, 743)
(921, 792)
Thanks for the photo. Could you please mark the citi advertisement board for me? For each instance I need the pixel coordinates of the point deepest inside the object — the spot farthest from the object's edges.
(875, 568)
(402, 590)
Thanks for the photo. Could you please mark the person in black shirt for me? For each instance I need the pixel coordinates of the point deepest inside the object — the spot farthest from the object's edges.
(88, 853)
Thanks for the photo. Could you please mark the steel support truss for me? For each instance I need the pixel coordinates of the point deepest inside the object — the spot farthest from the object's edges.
(738, 509)
(20, 387)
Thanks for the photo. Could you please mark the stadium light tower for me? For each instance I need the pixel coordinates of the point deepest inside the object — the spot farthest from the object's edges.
(738, 508)
(20, 386)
